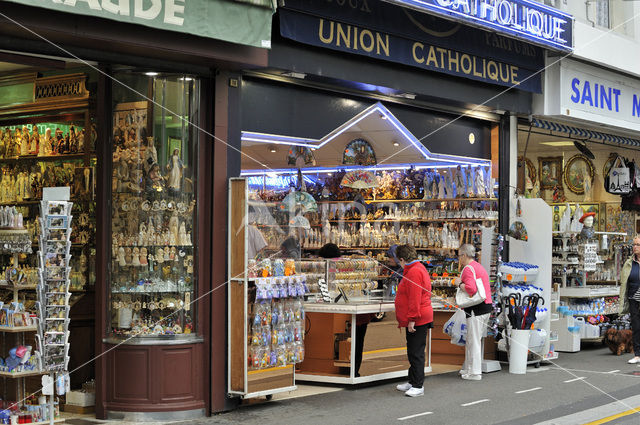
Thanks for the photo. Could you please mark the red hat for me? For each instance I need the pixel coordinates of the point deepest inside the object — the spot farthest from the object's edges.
(585, 215)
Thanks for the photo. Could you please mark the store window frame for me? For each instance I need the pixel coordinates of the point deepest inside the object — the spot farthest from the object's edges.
(187, 123)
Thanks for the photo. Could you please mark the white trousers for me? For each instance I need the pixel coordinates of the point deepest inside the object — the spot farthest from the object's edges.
(476, 329)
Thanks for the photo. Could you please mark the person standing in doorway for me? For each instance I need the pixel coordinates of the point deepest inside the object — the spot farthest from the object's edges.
(477, 315)
(630, 296)
(414, 312)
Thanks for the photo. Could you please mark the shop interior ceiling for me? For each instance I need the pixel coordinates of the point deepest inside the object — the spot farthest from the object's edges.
(392, 142)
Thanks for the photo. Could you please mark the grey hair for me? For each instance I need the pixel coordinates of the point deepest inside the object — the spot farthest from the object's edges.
(468, 250)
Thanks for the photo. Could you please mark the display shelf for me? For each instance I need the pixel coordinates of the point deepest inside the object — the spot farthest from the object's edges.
(16, 329)
(521, 277)
(22, 374)
(589, 292)
(596, 340)
(565, 263)
(18, 287)
(386, 247)
(414, 220)
(377, 201)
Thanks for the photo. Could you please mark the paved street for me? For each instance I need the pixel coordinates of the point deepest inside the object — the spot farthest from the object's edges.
(584, 385)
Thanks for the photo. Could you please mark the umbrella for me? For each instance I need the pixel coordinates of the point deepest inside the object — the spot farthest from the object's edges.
(299, 199)
(359, 180)
(532, 305)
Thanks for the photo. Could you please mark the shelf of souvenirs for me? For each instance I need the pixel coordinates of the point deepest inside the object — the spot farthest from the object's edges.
(414, 220)
(371, 201)
(37, 201)
(16, 329)
(23, 374)
(18, 287)
(35, 157)
(418, 248)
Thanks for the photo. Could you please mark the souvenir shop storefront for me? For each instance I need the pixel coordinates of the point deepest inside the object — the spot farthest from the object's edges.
(339, 146)
(578, 154)
(129, 128)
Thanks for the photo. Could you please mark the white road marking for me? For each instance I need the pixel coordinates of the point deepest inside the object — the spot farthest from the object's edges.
(575, 379)
(414, 416)
(529, 390)
(474, 402)
(614, 371)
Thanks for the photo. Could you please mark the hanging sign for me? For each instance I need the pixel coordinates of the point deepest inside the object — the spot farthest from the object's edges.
(523, 19)
(590, 256)
(424, 54)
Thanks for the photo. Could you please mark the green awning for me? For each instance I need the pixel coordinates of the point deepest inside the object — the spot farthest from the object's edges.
(241, 22)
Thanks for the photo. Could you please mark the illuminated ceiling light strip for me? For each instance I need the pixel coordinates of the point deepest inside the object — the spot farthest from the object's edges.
(484, 23)
(278, 142)
(403, 130)
(348, 125)
(318, 170)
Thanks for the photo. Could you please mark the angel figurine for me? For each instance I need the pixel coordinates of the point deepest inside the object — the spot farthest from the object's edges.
(442, 192)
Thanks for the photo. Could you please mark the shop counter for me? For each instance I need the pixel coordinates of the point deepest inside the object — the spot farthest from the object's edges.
(330, 345)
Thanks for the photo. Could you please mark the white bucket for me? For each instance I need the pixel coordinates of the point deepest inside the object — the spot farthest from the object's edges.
(518, 349)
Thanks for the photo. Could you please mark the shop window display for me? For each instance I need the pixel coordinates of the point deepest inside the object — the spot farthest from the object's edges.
(153, 211)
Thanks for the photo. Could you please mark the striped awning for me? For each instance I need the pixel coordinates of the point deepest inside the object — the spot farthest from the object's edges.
(583, 133)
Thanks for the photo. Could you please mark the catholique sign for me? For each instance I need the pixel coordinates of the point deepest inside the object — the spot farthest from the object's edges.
(224, 20)
(524, 19)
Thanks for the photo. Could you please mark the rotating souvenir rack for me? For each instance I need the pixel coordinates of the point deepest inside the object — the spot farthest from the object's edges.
(52, 338)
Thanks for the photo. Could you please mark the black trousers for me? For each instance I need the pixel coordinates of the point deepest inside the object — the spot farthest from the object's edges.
(361, 331)
(634, 310)
(416, 344)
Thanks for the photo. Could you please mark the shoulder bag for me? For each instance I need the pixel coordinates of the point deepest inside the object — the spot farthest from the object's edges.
(464, 300)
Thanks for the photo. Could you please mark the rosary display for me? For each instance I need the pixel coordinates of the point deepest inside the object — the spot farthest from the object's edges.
(152, 266)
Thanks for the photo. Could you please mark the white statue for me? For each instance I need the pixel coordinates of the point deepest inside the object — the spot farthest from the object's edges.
(588, 187)
(121, 259)
(175, 167)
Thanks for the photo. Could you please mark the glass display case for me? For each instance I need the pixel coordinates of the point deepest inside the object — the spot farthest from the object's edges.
(154, 208)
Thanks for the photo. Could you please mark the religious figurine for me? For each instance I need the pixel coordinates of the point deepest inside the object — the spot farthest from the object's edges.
(150, 154)
(427, 184)
(135, 261)
(122, 173)
(587, 231)
(185, 239)
(57, 143)
(448, 180)
(73, 142)
(442, 192)
(2, 139)
(159, 255)
(154, 181)
(460, 182)
(121, 257)
(479, 183)
(34, 141)
(24, 145)
(175, 168)
(471, 178)
(45, 147)
(143, 257)
(80, 138)
(174, 223)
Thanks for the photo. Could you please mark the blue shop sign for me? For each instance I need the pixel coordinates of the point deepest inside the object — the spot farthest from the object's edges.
(524, 19)
(436, 55)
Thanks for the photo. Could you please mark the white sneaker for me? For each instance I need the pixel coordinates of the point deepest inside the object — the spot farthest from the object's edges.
(404, 387)
(415, 392)
(634, 360)
(469, 377)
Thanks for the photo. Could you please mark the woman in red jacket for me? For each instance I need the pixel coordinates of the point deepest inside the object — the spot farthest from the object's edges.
(414, 312)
